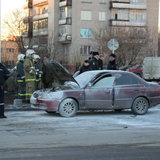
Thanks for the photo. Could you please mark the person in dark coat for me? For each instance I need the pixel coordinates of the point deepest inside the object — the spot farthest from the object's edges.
(112, 62)
(94, 62)
(4, 74)
(100, 62)
(85, 67)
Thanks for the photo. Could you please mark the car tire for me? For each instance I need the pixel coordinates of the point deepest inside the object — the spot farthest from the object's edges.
(140, 106)
(68, 107)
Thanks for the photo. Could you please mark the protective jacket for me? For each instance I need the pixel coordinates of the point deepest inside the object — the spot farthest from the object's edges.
(20, 70)
(29, 70)
(30, 77)
(20, 79)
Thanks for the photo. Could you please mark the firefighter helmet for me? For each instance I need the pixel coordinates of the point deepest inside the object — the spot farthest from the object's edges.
(21, 57)
(37, 56)
(29, 52)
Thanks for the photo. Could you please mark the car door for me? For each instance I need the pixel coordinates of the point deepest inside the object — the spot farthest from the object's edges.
(127, 87)
(99, 94)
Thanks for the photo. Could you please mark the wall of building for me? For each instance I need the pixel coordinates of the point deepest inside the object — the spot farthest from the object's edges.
(153, 24)
(9, 52)
(73, 50)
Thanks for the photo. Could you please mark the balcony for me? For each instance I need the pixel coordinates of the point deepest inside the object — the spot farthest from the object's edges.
(127, 23)
(64, 21)
(118, 5)
(40, 32)
(65, 38)
(40, 2)
(64, 3)
(42, 16)
(121, 1)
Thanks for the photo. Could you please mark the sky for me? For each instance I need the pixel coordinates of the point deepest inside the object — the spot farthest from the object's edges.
(9, 5)
(6, 7)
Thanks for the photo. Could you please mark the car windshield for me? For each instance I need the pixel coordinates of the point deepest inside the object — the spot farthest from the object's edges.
(84, 78)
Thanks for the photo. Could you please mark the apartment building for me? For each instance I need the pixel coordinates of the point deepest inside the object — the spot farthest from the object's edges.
(67, 27)
(9, 52)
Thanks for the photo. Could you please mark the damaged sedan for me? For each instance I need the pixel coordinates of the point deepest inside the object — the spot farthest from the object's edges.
(96, 90)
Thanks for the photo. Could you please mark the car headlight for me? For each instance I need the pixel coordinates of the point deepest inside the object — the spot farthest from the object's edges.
(35, 95)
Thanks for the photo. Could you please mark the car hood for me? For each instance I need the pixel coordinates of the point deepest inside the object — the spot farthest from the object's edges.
(58, 76)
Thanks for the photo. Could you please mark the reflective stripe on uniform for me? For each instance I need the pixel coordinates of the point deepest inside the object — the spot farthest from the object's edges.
(28, 94)
(38, 80)
(20, 80)
(30, 80)
(1, 104)
(20, 94)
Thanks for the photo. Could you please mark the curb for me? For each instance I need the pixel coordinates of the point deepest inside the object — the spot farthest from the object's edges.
(23, 107)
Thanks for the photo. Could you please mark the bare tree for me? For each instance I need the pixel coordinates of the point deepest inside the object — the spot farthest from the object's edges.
(131, 43)
(15, 27)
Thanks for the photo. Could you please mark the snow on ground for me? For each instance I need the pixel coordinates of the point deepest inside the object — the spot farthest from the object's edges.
(36, 129)
(109, 118)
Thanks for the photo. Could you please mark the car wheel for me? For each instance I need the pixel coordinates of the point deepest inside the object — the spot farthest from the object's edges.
(68, 107)
(140, 106)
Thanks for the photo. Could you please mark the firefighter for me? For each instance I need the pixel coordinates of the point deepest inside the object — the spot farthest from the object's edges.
(38, 68)
(30, 73)
(4, 74)
(20, 76)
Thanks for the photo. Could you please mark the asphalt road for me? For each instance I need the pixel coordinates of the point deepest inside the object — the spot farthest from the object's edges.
(116, 152)
(102, 135)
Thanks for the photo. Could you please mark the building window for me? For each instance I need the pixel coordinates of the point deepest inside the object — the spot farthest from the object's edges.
(1, 51)
(40, 24)
(102, 16)
(43, 23)
(138, 1)
(87, 1)
(10, 50)
(40, 10)
(85, 33)
(103, 1)
(64, 30)
(86, 15)
(120, 15)
(85, 50)
(137, 16)
(121, 0)
(35, 25)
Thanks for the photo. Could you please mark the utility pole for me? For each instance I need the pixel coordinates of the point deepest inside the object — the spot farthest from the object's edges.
(30, 23)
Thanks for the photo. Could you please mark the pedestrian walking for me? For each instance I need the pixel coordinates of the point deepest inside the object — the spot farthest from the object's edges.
(4, 74)
(112, 62)
(21, 76)
(30, 73)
